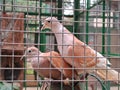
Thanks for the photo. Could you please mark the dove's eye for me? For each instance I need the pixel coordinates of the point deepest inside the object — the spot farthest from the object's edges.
(48, 21)
(29, 51)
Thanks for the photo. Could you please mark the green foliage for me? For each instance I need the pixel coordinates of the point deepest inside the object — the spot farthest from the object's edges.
(8, 86)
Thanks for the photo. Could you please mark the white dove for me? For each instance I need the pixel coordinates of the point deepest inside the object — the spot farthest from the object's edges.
(79, 55)
(49, 65)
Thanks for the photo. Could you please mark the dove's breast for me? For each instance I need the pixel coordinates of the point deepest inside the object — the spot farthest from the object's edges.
(44, 68)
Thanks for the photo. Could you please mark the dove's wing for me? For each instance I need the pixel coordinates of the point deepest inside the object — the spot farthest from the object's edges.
(83, 56)
(44, 68)
(58, 62)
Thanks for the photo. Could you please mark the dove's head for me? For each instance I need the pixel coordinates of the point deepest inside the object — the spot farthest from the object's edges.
(51, 23)
(31, 52)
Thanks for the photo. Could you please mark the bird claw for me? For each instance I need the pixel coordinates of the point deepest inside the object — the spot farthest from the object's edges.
(66, 81)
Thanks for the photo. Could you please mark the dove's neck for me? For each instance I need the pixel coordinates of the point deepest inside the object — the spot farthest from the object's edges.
(35, 62)
(64, 38)
(58, 29)
(62, 34)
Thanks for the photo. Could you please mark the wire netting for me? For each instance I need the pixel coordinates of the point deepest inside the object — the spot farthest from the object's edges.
(94, 22)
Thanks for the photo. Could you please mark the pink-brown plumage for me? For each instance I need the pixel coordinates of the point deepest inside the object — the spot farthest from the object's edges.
(49, 65)
(78, 54)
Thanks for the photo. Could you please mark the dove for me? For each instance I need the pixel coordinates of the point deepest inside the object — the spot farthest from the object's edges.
(79, 55)
(49, 65)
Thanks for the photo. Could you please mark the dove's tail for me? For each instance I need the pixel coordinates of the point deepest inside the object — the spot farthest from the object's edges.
(108, 74)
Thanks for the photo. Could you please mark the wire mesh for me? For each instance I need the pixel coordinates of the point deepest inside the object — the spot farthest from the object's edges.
(94, 22)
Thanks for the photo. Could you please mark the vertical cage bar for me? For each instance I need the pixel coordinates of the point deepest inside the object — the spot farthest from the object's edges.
(87, 31)
(40, 35)
(35, 73)
(59, 16)
(87, 20)
(4, 6)
(42, 41)
(36, 34)
(109, 30)
(12, 8)
(103, 28)
(60, 10)
(76, 16)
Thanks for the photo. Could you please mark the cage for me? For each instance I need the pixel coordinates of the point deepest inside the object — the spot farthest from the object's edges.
(94, 22)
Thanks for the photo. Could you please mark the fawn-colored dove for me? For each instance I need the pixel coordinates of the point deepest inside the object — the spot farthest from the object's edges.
(79, 55)
(50, 65)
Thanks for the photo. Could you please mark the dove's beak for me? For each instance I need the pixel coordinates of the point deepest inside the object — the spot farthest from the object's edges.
(43, 27)
(22, 57)
(24, 54)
